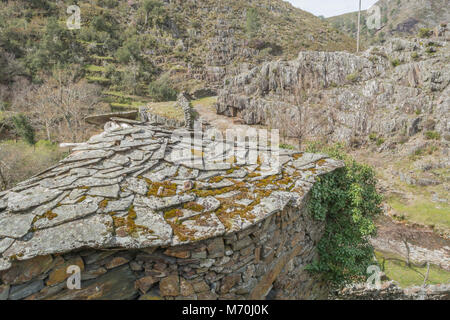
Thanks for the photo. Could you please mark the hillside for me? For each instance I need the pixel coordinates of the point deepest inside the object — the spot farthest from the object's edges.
(398, 18)
(124, 45)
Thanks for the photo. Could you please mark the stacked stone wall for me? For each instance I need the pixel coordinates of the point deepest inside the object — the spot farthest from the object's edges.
(265, 261)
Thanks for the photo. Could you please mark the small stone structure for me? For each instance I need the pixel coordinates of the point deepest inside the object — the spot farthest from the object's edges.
(185, 104)
(141, 226)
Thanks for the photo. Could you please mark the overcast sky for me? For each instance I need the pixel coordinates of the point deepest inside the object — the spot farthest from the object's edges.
(329, 8)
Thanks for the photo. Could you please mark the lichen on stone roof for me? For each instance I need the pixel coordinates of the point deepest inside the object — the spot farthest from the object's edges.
(123, 189)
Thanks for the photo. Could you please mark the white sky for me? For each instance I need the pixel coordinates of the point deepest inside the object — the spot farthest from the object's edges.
(329, 8)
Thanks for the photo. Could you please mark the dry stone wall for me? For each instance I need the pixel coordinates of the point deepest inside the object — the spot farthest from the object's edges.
(266, 260)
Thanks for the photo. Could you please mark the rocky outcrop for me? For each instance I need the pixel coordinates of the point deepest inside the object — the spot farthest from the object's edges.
(144, 211)
(391, 90)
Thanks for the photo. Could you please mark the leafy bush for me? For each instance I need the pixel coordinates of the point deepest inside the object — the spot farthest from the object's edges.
(348, 201)
(161, 89)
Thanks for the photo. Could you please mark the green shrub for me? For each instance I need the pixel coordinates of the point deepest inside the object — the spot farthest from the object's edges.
(424, 33)
(348, 201)
(23, 128)
(380, 141)
(373, 136)
(253, 23)
(287, 146)
(161, 90)
(353, 77)
(395, 62)
(432, 135)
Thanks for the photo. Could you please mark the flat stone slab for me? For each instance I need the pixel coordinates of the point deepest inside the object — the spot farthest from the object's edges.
(93, 232)
(31, 198)
(15, 225)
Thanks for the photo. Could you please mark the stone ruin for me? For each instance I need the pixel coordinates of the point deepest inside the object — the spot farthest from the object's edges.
(183, 102)
(140, 225)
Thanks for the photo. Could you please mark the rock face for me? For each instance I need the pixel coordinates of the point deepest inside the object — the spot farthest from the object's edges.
(398, 89)
(139, 201)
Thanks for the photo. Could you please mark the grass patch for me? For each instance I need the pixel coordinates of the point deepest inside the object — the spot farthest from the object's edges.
(396, 269)
(423, 211)
(93, 68)
(207, 101)
(23, 161)
(99, 80)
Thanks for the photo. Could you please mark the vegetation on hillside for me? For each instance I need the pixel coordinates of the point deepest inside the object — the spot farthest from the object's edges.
(348, 201)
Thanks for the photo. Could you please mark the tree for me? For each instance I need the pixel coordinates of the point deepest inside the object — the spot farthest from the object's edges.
(161, 89)
(253, 23)
(24, 129)
(59, 104)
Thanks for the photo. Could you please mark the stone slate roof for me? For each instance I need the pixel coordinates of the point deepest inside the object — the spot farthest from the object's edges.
(121, 189)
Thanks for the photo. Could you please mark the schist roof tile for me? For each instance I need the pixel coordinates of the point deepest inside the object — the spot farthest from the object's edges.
(126, 188)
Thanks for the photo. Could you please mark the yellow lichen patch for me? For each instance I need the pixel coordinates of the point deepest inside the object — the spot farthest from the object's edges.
(193, 206)
(321, 162)
(266, 181)
(49, 215)
(172, 213)
(230, 171)
(81, 199)
(216, 179)
(206, 193)
(253, 175)
(131, 227)
(313, 170)
(103, 204)
(161, 189)
(297, 156)
(197, 153)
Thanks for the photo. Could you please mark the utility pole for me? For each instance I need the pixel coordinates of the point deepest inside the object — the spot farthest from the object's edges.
(359, 27)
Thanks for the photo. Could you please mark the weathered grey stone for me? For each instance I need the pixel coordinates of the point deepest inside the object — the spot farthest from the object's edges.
(115, 174)
(117, 284)
(91, 232)
(157, 203)
(31, 198)
(5, 264)
(5, 243)
(88, 155)
(209, 204)
(122, 204)
(136, 185)
(96, 182)
(24, 290)
(105, 191)
(4, 292)
(66, 213)
(15, 225)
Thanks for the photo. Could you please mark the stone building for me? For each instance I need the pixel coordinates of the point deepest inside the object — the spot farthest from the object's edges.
(140, 225)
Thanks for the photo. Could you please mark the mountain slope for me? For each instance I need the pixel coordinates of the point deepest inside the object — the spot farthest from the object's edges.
(123, 45)
(398, 18)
